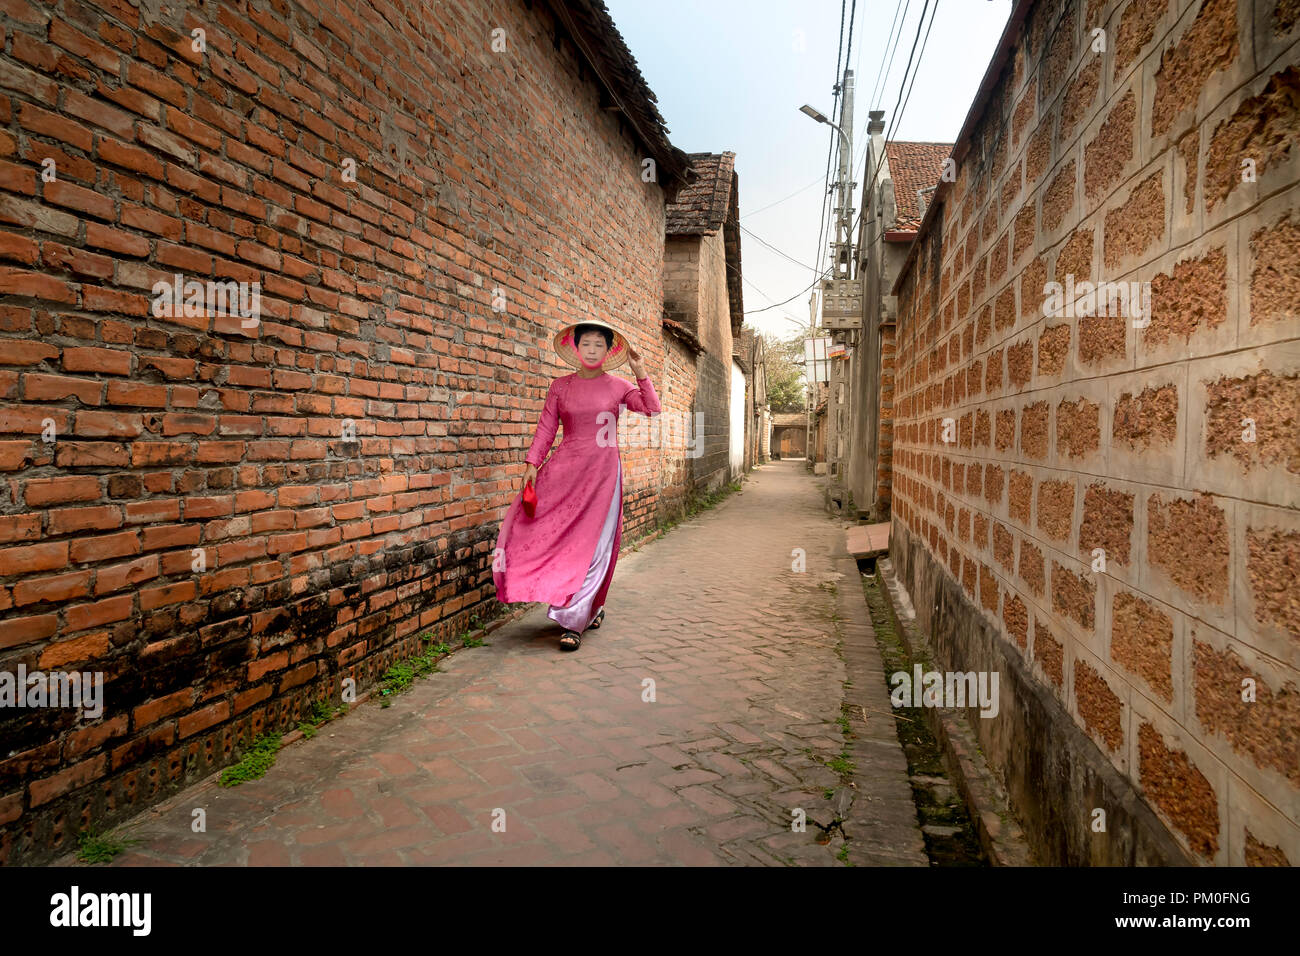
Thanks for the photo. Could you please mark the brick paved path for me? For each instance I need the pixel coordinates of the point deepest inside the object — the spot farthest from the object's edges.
(748, 684)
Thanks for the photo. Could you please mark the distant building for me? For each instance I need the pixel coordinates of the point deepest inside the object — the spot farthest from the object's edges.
(703, 313)
(789, 434)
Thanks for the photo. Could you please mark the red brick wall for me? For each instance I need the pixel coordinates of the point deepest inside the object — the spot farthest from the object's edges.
(475, 170)
(680, 383)
(1081, 433)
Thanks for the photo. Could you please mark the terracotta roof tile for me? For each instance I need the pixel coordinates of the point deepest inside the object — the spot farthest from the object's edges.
(588, 22)
(707, 204)
(913, 166)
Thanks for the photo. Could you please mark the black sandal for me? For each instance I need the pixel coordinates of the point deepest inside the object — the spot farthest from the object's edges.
(596, 623)
(574, 639)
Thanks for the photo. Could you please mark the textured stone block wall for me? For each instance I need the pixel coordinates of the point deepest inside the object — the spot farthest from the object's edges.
(885, 430)
(1168, 154)
(325, 554)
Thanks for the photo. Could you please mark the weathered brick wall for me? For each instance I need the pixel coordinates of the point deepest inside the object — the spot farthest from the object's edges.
(677, 399)
(175, 437)
(1082, 433)
(695, 294)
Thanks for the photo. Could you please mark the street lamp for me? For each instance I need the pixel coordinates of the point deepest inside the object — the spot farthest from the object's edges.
(819, 117)
(842, 247)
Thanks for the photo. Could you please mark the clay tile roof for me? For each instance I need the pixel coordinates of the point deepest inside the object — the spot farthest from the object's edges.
(743, 347)
(743, 342)
(705, 204)
(913, 166)
(789, 418)
(701, 206)
(588, 24)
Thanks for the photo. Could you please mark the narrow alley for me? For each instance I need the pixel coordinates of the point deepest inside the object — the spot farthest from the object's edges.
(748, 683)
(592, 433)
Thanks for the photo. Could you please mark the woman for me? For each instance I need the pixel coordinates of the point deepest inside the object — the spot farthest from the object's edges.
(564, 554)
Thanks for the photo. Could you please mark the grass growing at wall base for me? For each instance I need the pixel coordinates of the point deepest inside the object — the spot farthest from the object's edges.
(320, 713)
(399, 676)
(255, 763)
(100, 847)
(402, 674)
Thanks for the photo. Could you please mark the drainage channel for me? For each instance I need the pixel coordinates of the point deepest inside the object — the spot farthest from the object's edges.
(950, 836)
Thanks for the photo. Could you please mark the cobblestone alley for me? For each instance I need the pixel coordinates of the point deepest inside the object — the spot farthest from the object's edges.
(748, 683)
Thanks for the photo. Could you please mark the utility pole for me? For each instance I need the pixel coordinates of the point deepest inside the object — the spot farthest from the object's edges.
(809, 448)
(842, 289)
(842, 298)
(842, 247)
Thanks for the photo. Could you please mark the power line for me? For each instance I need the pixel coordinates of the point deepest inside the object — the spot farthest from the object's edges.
(826, 192)
(883, 72)
(862, 131)
(779, 201)
(882, 75)
(917, 71)
(843, 54)
(830, 145)
(897, 118)
(839, 58)
(853, 16)
(778, 251)
(899, 106)
(894, 120)
(858, 64)
(787, 301)
(746, 280)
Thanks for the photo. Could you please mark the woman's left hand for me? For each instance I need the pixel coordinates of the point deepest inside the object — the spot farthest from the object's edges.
(634, 359)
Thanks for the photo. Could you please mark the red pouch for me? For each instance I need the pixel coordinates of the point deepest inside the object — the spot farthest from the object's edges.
(529, 499)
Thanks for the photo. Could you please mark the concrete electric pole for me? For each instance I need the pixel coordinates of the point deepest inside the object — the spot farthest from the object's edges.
(842, 290)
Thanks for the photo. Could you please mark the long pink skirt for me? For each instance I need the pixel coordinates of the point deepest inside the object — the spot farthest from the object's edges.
(578, 614)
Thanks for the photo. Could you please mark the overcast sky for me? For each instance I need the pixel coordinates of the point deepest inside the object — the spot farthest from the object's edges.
(732, 74)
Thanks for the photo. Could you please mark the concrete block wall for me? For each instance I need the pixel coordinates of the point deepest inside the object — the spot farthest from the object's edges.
(477, 170)
(1166, 152)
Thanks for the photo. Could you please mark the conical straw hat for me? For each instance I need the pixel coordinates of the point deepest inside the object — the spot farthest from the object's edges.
(566, 346)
